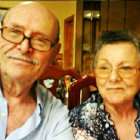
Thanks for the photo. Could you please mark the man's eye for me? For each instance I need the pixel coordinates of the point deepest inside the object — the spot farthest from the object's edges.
(16, 31)
(40, 40)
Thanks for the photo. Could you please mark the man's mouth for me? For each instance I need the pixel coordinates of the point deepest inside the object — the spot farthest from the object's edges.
(23, 58)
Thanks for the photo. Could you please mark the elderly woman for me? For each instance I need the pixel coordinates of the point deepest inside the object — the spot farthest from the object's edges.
(113, 112)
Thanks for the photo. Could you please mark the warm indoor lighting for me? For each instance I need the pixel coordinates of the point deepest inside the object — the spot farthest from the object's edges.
(91, 14)
(97, 15)
(88, 15)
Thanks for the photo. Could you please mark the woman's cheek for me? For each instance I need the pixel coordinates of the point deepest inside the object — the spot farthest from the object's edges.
(100, 82)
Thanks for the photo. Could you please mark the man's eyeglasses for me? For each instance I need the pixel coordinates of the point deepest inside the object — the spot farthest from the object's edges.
(16, 36)
(124, 71)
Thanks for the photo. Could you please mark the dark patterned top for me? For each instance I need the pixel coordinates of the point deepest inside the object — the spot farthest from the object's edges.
(90, 121)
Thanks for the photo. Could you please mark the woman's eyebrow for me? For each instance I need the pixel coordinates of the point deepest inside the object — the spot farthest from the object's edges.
(102, 59)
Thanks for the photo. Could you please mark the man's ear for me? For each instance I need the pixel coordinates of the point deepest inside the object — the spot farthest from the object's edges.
(56, 49)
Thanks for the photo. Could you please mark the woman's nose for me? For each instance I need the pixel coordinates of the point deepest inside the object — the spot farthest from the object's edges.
(114, 76)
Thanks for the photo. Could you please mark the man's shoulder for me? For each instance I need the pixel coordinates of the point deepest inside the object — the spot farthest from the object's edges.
(51, 104)
(54, 114)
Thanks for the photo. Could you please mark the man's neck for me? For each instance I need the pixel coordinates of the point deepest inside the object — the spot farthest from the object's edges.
(18, 92)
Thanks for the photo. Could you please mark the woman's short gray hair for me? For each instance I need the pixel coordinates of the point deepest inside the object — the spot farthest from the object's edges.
(110, 37)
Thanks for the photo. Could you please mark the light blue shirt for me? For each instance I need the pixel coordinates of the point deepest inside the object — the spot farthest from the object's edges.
(49, 122)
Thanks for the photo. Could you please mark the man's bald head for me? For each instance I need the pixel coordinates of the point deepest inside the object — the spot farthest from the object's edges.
(34, 10)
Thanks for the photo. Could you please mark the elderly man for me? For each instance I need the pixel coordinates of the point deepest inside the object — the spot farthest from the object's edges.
(29, 35)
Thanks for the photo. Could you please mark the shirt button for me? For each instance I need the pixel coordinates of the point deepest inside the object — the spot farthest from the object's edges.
(2, 115)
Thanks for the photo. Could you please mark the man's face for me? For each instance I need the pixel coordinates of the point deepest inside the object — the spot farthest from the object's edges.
(20, 61)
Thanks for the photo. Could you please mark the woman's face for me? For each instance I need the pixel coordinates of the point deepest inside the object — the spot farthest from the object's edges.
(117, 72)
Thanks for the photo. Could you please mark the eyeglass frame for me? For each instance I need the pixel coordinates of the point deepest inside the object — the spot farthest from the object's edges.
(25, 37)
(117, 70)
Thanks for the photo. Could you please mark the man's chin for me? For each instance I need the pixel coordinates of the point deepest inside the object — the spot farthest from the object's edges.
(20, 76)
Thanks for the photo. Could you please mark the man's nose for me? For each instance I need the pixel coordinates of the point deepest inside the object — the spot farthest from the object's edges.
(114, 76)
(24, 46)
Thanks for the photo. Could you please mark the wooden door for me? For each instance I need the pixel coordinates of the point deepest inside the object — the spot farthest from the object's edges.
(68, 42)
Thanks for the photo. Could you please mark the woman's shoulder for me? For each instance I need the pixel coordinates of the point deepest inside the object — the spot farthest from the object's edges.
(91, 118)
(84, 114)
(87, 106)
(81, 118)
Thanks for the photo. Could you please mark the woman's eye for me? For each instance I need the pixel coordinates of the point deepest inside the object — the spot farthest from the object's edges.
(126, 67)
(103, 67)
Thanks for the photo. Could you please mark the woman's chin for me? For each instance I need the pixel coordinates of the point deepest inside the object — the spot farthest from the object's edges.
(115, 100)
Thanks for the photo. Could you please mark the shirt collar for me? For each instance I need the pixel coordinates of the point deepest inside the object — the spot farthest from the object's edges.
(41, 93)
(1, 95)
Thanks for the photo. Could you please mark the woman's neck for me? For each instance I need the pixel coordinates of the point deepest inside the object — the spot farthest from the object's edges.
(121, 111)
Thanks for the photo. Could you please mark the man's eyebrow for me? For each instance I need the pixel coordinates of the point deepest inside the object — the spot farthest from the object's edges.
(14, 25)
(39, 33)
